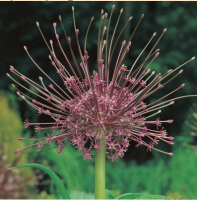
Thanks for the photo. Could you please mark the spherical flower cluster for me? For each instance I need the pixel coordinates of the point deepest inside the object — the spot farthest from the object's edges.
(99, 108)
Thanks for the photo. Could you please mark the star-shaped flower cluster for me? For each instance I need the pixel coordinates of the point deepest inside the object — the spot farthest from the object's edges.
(95, 108)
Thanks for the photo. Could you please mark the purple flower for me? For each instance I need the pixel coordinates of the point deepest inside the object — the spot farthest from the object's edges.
(94, 107)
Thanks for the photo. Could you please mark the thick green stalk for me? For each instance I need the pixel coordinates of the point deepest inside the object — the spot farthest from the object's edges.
(100, 172)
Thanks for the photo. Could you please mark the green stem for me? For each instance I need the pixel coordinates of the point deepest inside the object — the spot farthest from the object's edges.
(100, 172)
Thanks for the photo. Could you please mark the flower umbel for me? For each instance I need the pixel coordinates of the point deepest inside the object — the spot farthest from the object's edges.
(98, 107)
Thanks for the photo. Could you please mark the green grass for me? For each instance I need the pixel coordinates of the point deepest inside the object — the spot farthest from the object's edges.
(177, 178)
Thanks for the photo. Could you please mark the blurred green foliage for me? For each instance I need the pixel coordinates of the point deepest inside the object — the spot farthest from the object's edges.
(13, 184)
(188, 138)
(175, 178)
(10, 126)
(139, 171)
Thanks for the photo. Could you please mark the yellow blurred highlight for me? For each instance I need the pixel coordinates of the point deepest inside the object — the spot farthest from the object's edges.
(174, 195)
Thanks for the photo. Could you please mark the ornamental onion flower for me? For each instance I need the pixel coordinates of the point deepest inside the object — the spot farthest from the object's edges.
(95, 108)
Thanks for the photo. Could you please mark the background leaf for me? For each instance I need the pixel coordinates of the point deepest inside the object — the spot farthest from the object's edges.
(56, 179)
(110, 194)
(153, 197)
(130, 196)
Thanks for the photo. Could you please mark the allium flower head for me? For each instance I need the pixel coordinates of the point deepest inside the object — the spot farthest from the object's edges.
(97, 107)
